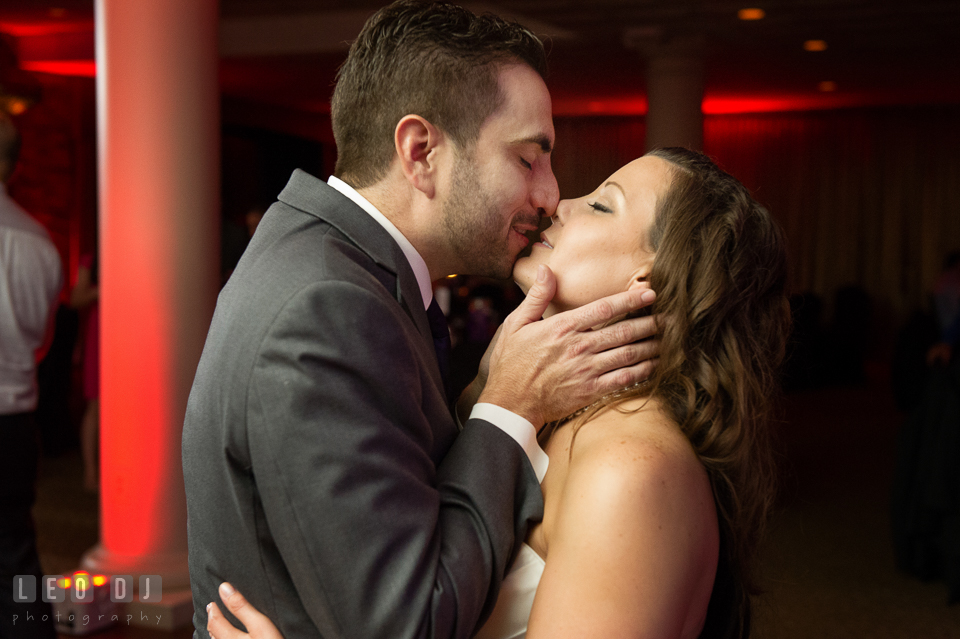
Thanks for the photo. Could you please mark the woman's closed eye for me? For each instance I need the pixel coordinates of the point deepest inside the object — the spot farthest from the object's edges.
(526, 165)
(596, 206)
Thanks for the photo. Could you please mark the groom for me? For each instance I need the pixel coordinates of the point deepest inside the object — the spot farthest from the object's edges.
(326, 477)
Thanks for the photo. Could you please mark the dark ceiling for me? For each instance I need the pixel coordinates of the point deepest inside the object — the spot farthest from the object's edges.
(878, 51)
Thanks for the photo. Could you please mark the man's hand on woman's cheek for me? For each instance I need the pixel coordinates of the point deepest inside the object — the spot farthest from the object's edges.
(543, 370)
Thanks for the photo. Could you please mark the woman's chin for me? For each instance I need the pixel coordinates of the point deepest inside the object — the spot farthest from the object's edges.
(524, 274)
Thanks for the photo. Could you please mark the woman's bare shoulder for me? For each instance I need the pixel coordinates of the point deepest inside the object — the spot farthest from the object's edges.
(638, 441)
(632, 531)
(635, 464)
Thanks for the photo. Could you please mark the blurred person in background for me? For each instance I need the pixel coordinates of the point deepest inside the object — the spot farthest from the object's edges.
(946, 295)
(30, 280)
(85, 296)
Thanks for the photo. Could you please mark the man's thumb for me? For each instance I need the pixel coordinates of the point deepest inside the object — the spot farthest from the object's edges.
(538, 297)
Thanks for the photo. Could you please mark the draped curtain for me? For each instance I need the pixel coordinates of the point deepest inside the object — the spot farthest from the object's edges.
(866, 197)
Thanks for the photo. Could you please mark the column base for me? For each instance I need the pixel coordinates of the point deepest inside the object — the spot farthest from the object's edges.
(172, 567)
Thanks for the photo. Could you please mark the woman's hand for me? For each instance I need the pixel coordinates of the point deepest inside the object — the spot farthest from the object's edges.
(257, 624)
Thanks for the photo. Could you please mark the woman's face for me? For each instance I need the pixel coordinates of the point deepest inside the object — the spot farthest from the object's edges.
(598, 245)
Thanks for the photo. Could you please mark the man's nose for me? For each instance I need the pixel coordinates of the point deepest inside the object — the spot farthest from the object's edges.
(546, 193)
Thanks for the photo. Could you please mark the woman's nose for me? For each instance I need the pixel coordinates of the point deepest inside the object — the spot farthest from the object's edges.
(562, 212)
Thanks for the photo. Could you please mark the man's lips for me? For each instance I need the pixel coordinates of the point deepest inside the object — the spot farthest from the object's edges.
(522, 228)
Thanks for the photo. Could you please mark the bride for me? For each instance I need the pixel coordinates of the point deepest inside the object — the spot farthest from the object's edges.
(655, 496)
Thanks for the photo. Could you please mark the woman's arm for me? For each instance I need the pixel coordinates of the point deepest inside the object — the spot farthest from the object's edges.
(633, 549)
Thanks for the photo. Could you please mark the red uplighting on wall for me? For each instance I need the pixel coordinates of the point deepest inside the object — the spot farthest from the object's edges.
(81, 68)
(20, 29)
(734, 104)
(610, 106)
(712, 104)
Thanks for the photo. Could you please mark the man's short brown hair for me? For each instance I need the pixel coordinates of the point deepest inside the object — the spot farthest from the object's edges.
(435, 60)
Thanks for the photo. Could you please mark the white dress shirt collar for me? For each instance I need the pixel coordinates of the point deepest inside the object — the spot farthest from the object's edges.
(413, 257)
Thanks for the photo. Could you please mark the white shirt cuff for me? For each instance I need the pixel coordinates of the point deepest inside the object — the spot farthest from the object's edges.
(517, 428)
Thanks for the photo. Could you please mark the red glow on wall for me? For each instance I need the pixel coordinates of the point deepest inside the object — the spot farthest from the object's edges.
(724, 105)
(733, 104)
(603, 106)
(81, 68)
(44, 28)
(712, 104)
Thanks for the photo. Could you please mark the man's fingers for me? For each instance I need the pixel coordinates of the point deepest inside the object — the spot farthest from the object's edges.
(627, 376)
(625, 332)
(603, 310)
(626, 356)
(537, 299)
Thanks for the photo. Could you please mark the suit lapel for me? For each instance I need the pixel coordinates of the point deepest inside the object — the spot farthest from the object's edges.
(316, 197)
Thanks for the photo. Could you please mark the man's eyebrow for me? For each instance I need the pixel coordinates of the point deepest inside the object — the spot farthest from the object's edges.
(540, 140)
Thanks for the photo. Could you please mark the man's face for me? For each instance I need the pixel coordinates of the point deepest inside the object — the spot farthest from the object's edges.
(501, 186)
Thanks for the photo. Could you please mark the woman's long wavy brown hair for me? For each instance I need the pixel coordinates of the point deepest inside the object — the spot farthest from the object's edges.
(720, 276)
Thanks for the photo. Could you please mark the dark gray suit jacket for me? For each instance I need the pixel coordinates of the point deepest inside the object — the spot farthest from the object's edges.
(325, 476)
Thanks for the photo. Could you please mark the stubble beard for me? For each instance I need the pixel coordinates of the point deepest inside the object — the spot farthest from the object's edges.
(474, 226)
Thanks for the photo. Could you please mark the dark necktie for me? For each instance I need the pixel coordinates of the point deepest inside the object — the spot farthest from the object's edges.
(441, 342)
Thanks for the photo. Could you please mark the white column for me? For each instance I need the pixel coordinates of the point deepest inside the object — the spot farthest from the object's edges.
(158, 142)
(674, 98)
(674, 90)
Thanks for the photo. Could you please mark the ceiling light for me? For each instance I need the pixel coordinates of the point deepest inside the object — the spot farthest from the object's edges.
(57, 12)
(751, 14)
(827, 86)
(815, 45)
(14, 105)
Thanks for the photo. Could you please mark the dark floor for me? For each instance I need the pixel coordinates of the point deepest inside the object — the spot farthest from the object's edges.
(828, 563)
(828, 560)
(67, 519)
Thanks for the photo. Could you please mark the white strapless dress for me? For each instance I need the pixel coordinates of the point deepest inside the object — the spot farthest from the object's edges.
(512, 610)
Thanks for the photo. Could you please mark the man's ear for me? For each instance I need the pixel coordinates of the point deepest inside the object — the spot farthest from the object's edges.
(416, 142)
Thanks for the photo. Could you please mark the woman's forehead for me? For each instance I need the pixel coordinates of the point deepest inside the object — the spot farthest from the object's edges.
(643, 179)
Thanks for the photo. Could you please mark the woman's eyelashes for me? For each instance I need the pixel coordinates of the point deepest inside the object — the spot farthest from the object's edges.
(600, 207)
(526, 165)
